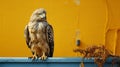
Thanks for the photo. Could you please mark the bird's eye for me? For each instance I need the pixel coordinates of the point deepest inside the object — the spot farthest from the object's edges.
(39, 13)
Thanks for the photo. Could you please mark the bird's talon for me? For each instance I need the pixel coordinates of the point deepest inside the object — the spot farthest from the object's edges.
(33, 57)
(43, 58)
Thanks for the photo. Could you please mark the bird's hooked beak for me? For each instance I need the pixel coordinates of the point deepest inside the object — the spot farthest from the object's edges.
(42, 16)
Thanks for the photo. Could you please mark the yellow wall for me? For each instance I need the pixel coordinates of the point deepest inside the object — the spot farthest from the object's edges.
(89, 17)
(112, 38)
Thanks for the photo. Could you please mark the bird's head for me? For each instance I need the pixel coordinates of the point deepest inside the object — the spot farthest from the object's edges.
(38, 15)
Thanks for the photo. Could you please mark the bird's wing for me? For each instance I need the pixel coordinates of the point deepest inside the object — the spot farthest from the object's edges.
(50, 38)
(26, 34)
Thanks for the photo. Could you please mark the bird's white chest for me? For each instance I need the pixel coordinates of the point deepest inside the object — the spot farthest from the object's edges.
(34, 27)
(40, 26)
(36, 31)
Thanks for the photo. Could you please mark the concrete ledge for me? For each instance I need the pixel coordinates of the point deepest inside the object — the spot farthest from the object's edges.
(52, 62)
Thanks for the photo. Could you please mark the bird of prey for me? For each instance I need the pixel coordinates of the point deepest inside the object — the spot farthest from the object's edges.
(39, 35)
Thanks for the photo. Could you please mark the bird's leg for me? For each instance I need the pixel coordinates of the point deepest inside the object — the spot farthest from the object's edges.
(43, 57)
(34, 56)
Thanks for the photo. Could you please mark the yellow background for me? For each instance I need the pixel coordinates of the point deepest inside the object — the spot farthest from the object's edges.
(97, 22)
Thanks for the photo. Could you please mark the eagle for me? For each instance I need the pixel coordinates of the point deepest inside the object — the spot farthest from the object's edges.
(39, 35)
